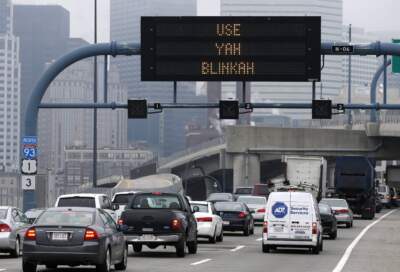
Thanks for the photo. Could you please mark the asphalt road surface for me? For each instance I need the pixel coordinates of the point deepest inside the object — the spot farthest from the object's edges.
(368, 246)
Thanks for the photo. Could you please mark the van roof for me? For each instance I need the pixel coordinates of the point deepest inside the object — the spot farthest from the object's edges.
(291, 195)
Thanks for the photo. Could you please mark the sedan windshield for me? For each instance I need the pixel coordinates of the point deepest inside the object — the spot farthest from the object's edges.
(3, 213)
(66, 218)
(335, 202)
(229, 207)
(252, 200)
(153, 201)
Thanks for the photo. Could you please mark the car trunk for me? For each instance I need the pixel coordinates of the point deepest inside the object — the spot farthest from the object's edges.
(60, 235)
(148, 220)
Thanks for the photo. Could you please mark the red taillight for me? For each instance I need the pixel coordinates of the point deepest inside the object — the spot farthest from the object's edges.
(120, 222)
(176, 224)
(5, 228)
(156, 193)
(204, 219)
(30, 234)
(265, 227)
(242, 215)
(262, 210)
(91, 235)
(314, 228)
(342, 211)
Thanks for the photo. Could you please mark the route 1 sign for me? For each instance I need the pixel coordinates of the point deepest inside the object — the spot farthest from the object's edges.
(29, 167)
(28, 182)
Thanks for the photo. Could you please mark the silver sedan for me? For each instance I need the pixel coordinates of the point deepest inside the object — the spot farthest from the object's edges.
(13, 225)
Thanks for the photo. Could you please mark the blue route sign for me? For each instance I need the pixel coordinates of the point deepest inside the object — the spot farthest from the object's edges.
(29, 140)
(29, 147)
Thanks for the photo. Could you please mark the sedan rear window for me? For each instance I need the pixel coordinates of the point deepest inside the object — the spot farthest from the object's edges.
(229, 207)
(3, 213)
(335, 202)
(244, 191)
(88, 202)
(252, 200)
(217, 196)
(66, 218)
(122, 199)
(153, 201)
(324, 209)
(202, 207)
(382, 189)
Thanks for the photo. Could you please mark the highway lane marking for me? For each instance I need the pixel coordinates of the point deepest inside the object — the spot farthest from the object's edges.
(3, 269)
(339, 267)
(237, 248)
(201, 262)
(259, 239)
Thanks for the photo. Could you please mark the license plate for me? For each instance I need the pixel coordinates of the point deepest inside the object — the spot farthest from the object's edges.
(226, 223)
(147, 237)
(59, 236)
(301, 232)
(148, 229)
(278, 229)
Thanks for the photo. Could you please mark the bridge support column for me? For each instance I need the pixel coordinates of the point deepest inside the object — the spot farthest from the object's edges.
(246, 169)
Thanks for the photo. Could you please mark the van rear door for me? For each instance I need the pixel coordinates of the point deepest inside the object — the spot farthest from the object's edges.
(301, 218)
(279, 219)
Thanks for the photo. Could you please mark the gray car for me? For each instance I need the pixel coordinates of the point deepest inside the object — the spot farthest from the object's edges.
(13, 224)
(74, 236)
(341, 209)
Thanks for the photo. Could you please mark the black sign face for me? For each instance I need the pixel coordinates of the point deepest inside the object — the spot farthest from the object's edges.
(231, 48)
(229, 109)
(343, 49)
(322, 109)
(137, 109)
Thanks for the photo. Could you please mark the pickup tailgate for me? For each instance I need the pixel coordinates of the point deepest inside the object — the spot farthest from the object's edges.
(153, 221)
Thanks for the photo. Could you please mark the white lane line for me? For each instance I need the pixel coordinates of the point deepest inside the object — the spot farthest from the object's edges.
(201, 262)
(339, 267)
(237, 248)
(3, 269)
(259, 239)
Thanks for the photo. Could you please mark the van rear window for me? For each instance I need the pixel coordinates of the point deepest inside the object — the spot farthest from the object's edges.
(88, 202)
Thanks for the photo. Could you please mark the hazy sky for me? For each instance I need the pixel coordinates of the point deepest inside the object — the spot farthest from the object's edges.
(373, 15)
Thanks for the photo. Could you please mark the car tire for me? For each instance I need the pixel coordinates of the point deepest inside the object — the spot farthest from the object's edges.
(213, 239)
(137, 248)
(315, 249)
(105, 266)
(180, 248)
(220, 238)
(246, 231)
(51, 266)
(333, 235)
(16, 252)
(348, 225)
(124, 262)
(266, 248)
(28, 267)
(192, 246)
(252, 230)
(321, 245)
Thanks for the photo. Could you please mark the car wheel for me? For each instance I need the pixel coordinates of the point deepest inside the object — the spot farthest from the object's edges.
(124, 262)
(348, 225)
(180, 248)
(192, 246)
(321, 245)
(137, 248)
(266, 248)
(17, 249)
(252, 230)
(28, 267)
(220, 238)
(213, 239)
(315, 249)
(246, 231)
(105, 266)
(333, 235)
(51, 266)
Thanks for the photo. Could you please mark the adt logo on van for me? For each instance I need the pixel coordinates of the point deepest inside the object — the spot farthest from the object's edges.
(279, 210)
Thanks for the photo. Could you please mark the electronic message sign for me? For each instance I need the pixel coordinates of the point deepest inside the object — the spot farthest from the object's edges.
(231, 48)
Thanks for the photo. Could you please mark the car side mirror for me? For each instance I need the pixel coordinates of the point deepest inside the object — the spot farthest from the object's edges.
(195, 209)
(115, 207)
(252, 211)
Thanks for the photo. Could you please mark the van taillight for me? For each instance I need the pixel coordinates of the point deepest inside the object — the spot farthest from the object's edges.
(265, 227)
(30, 234)
(176, 224)
(91, 235)
(314, 228)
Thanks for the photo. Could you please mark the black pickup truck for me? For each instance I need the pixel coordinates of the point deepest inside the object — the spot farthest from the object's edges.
(159, 219)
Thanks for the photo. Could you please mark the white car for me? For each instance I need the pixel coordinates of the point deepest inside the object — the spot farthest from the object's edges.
(121, 200)
(209, 224)
(292, 220)
(99, 201)
(256, 204)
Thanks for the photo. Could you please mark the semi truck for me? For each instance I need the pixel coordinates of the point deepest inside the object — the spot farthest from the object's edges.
(305, 173)
(355, 182)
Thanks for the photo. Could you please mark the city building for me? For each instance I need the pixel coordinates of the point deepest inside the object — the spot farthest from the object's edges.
(60, 128)
(10, 73)
(10, 193)
(363, 68)
(111, 162)
(331, 78)
(43, 31)
(125, 27)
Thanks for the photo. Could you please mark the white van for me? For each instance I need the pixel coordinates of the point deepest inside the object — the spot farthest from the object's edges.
(99, 201)
(292, 220)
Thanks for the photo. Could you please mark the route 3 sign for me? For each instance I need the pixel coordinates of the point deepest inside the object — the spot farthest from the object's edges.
(28, 182)
(29, 167)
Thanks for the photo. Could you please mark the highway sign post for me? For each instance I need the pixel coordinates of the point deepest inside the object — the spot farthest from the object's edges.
(396, 60)
(231, 48)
